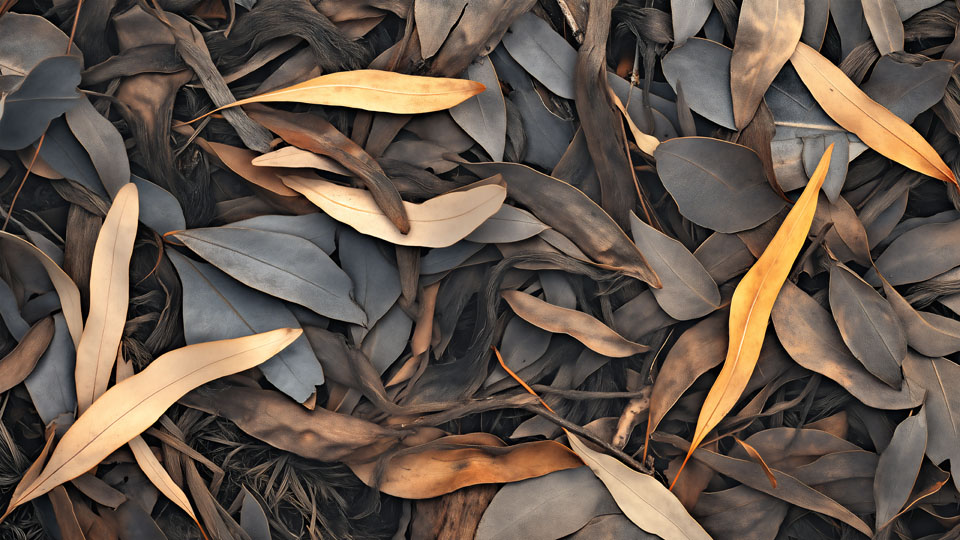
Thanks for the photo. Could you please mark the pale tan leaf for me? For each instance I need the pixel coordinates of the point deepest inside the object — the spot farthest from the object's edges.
(646, 143)
(127, 409)
(374, 90)
(292, 157)
(751, 305)
(437, 222)
(582, 327)
(855, 111)
(239, 160)
(643, 499)
(109, 295)
(66, 289)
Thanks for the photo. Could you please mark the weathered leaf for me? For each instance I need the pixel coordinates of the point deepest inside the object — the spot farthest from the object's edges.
(217, 307)
(127, 409)
(767, 34)
(373, 90)
(109, 295)
(918, 254)
(438, 222)
(876, 126)
(899, 466)
(928, 333)
(103, 143)
(884, 23)
(566, 501)
(938, 377)
(387, 339)
(868, 325)
(740, 512)
(584, 328)
(455, 461)
(64, 153)
(484, 116)
(543, 53)
(573, 214)
(49, 90)
(436, 18)
(688, 17)
(317, 228)
(718, 185)
(810, 336)
(19, 363)
(688, 290)
(751, 305)
(611, 526)
(281, 265)
(509, 224)
(816, 15)
(909, 8)
(702, 68)
(51, 384)
(641, 497)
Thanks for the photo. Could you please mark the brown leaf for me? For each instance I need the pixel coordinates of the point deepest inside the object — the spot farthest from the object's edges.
(19, 363)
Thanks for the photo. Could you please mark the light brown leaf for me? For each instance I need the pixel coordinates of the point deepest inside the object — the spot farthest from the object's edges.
(109, 295)
(876, 126)
(584, 328)
(239, 160)
(293, 157)
(127, 409)
(438, 222)
(66, 289)
(19, 363)
(373, 90)
(751, 305)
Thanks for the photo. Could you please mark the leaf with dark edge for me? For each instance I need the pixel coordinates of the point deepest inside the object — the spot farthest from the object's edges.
(20, 362)
(938, 377)
(899, 466)
(49, 90)
(103, 143)
(688, 17)
(543, 53)
(484, 116)
(928, 333)
(51, 385)
(884, 23)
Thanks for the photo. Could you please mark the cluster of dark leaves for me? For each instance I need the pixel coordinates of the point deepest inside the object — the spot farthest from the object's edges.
(645, 171)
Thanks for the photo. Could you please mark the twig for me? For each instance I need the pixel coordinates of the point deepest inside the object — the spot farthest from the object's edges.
(568, 15)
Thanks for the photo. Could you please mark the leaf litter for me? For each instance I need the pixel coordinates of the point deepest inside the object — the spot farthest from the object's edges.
(716, 238)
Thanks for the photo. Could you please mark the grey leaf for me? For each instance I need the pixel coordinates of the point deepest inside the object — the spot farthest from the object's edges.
(816, 14)
(435, 19)
(387, 339)
(159, 210)
(885, 25)
(444, 259)
(10, 312)
(281, 265)
(376, 280)
(541, 51)
(62, 151)
(509, 224)
(702, 67)
(919, 254)
(908, 90)
(939, 377)
(909, 8)
(688, 18)
(928, 333)
(28, 40)
(813, 148)
(253, 517)
(899, 466)
(48, 91)
(51, 385)
(317, 228)
(103, 144)
(217, 307)
(484, 116)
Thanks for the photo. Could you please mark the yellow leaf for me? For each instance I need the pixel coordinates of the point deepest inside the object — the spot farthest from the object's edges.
(109, 296)
(751, 305)
(876, 126)
(66, 289)
(374, 90)
(437, 222)
(127, 409)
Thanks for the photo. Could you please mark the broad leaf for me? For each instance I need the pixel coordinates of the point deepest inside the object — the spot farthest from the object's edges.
(49, 90)
(884, 23)
(484, 116)
(899, 466)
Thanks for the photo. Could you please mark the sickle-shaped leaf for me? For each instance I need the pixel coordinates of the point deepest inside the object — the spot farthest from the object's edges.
(885, 25)
(373, 90)
(751, 305)
(109, 295)
(281, 265)
(642, 498)
(868, 324)
(876, 126)
(127, 409)
(899, 466)
(584, 328)
(767, 34)
(688, 290)
(437, 222)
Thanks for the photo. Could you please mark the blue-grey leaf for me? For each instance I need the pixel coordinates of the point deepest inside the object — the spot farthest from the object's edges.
(908, 90)
(909, 8)
(533, 43)
(51, 385)
(443, 259)
(215, 307)
(159, 210)
(317, 228)
(702, 67)
(281, 265)
(813, 148)
(253, 516)
(509, 224)
(688, 18)
(919, 254)
(899, 466)
(62, 151)
(10, 312)
(103, 144)
(376, 280)
(28, 40)
(48, 91)
(387, 339)
(484, 116)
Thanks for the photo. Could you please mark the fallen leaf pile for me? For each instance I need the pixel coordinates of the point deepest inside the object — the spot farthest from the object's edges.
(538, 269)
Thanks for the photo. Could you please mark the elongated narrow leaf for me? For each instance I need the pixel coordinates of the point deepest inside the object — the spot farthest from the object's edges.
(767, 34)
(66, 288)
(438, 222)
(885, 25)
(641, 497)
(239, 160)
(374, 90)
(109, 295)
(127, 409)
(281, 265)
(751, 305)
(876, 126)
(688, 290)
(543, 53)
(899, 466)
(587, 330)
(928, 333)
(293, 157)
(484, 116)
(939, 377)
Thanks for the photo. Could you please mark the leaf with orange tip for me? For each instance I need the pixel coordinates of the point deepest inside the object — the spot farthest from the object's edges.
(856, 112)
(751, 305)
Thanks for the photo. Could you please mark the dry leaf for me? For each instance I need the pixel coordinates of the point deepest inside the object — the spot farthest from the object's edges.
(751, 305)
(876, 126)
(437, 222)
(109, 295)
(127, 409)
